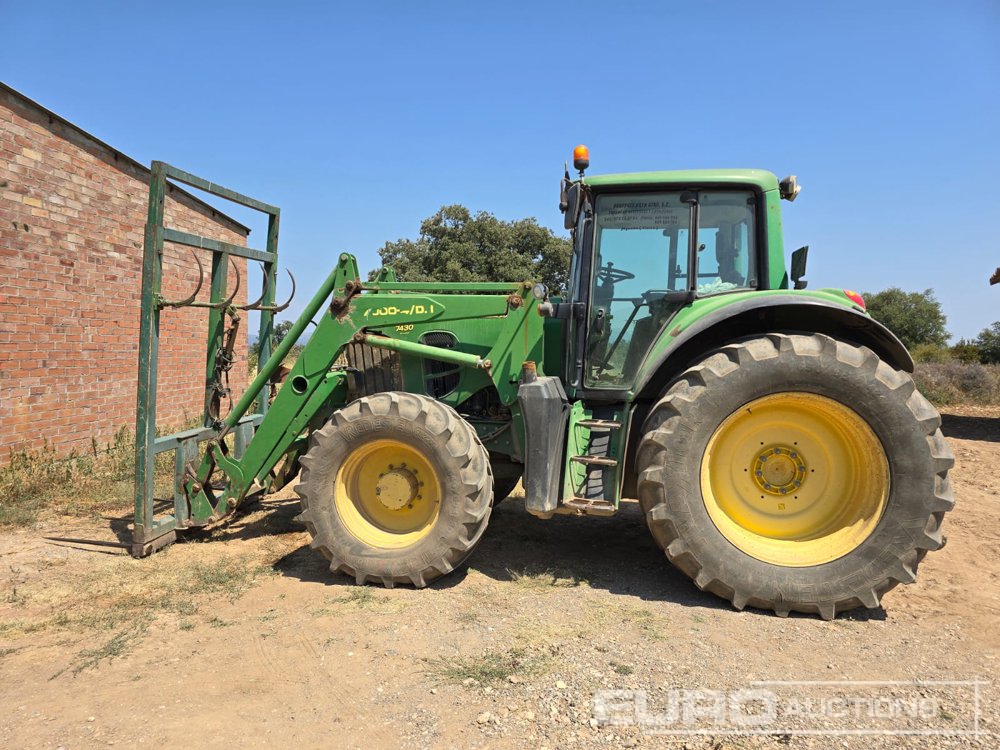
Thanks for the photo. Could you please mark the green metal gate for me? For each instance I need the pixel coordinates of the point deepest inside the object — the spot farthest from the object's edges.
(154, 530)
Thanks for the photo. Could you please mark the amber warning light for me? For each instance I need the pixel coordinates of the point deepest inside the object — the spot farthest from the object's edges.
(581, 158)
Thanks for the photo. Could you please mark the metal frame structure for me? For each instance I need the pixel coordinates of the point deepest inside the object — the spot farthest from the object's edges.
(151, 532)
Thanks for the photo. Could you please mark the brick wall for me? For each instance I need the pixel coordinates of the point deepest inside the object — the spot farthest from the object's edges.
(72, 212)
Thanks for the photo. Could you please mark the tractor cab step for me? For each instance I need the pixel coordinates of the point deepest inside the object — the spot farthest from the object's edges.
(599, 424)
(583, 506)
(595, 460)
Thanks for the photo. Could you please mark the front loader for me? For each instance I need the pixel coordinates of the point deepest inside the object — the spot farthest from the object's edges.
(771, 434)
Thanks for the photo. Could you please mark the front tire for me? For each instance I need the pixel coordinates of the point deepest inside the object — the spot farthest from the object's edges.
(396, 488)
(795, 473)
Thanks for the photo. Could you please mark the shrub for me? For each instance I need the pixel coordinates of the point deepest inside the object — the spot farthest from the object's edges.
(931, 353)
(988, 343)
(967, 351)
(958, 383)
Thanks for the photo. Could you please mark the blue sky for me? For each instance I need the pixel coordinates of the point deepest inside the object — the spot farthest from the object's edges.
(361, 119)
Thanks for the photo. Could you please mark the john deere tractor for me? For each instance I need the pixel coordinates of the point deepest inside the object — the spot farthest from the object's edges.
(772, 435)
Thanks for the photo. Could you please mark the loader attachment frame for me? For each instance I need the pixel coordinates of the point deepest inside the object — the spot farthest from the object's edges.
(218, 464)
(151, 530)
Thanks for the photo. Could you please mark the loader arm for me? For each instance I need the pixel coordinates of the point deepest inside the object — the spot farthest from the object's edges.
(240, 450)
(316, 384)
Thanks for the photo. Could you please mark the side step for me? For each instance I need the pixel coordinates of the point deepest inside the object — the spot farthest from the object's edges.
(583, 506)
(595, 460)
(599, 424)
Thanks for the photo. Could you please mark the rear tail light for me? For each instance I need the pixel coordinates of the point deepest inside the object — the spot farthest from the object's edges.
(856, 298)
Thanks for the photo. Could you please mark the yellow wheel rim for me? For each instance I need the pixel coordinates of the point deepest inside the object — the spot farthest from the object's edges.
(387, 494)
(795, 479)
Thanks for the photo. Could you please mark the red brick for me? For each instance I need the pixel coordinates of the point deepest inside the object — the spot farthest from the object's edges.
(70, 284)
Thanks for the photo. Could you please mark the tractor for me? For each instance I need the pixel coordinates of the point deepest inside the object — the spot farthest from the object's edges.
(771, 434)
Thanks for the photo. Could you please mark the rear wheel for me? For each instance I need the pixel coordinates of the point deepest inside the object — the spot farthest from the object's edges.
(396, 488)
(793, 472)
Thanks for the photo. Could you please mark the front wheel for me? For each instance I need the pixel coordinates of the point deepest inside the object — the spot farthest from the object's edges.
(396, 488)
(795, 473)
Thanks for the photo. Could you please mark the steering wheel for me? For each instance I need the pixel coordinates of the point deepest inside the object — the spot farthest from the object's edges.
(610, 275)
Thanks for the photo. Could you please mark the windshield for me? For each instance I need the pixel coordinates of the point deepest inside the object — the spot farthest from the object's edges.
(641, 253)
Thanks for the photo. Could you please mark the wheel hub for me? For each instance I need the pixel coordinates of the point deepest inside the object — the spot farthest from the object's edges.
(795, 479)
(779, 470)
(387, 494)
(397, 487)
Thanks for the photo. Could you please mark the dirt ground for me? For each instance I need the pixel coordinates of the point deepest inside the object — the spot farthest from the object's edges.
(242, 638)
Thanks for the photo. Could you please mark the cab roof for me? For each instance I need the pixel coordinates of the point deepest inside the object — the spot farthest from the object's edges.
(682, 177)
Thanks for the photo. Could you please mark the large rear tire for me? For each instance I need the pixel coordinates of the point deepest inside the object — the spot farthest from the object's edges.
(795, 473)
(396, 488)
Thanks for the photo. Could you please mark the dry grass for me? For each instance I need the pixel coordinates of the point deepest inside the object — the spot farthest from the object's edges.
(950, 383)
(490, 667)
(80, 484)
(114, 604)
(100, 481)
(178, 581)
(650, 625)
(543, 579)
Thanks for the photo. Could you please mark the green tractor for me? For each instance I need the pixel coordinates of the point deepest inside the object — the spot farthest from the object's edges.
(772, 436)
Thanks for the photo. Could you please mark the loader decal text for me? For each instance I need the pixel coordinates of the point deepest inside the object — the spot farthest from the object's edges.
(391, 310)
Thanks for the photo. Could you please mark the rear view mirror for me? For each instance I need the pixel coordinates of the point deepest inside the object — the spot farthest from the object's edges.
(569, 203)
(789, 188)
(799, 258)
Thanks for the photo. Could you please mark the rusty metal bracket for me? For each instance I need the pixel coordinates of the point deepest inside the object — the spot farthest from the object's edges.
(161, 303)
(190, 301)
(226, 302)
(280, 308)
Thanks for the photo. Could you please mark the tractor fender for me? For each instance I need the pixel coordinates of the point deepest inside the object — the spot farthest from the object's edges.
(777, 313)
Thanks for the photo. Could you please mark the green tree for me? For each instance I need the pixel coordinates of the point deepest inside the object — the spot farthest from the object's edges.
(915, 317)
(967, 351)
(988, 342)
(454, 245)
(280, 330)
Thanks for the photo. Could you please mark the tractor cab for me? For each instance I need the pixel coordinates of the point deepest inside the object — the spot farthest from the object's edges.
(647, 245)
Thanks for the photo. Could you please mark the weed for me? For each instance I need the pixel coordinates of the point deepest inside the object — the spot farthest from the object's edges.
(116, 646)
(650, 624)
(545, 578)
(361, 597)
(490, 667)
(80, 483)
(622, 669)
